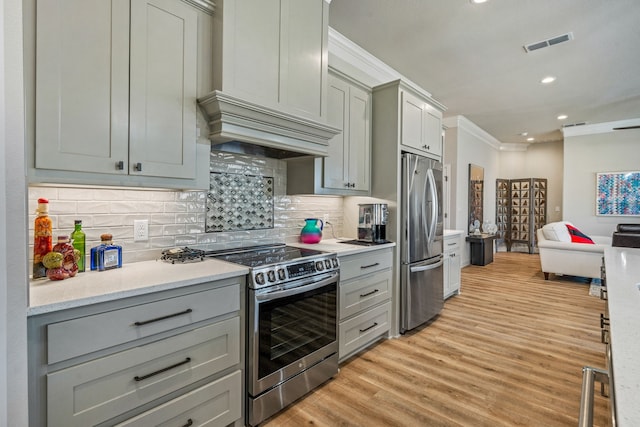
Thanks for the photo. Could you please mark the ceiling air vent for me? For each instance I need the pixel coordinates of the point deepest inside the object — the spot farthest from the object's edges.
(549, 42)
(570, 125)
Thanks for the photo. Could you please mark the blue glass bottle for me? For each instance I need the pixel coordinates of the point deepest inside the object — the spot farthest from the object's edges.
(106, 255)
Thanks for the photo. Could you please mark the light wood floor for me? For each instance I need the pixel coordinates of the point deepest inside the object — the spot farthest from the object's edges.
(508, 351)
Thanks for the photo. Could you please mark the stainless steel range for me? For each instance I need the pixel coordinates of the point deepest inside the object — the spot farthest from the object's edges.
(291, 324)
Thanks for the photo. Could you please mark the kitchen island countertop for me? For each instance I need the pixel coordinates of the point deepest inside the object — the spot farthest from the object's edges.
(623, 293)
(92, 287)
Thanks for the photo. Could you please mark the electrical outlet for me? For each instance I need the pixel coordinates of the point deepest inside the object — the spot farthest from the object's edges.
(140, 230)
(325, 218)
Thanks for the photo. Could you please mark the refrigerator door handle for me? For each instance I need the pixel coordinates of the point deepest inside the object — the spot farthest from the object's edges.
(426, 267)
(434, 205)
(423, 214)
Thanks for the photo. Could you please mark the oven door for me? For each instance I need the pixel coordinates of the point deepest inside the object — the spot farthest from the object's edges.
(290, 329)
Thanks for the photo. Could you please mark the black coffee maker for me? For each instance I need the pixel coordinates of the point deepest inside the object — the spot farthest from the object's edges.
(372, 222)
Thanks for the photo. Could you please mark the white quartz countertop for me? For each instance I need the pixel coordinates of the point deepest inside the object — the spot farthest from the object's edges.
(623, 293)
(132, 279)
(341, 249)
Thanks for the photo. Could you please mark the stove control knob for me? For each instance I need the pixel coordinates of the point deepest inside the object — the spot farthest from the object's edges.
(327, 263)
(319, 266)
(281, 274)
(335, 262)
(271, 275)
(259, 278)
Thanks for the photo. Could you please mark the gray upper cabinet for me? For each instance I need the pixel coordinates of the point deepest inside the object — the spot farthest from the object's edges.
(421, 125)
(346, 168)
(273, 53)
(419, 122)
(115, 91)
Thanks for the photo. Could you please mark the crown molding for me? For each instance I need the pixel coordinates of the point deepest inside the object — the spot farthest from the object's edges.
(206, 6)
(467, 125)
(517, 146)
(366, 68)
(597, 128)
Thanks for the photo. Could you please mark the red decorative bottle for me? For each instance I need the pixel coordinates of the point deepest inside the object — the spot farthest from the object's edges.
(42, 235)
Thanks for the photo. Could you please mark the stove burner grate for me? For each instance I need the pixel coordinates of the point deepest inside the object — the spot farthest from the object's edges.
(182, 255)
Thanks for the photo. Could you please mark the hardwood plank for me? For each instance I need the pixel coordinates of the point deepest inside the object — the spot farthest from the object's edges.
(507, 351)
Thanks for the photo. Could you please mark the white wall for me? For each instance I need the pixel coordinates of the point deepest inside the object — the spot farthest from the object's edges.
(586, 155)
(544, 160)
(470, 145)
(13, 271)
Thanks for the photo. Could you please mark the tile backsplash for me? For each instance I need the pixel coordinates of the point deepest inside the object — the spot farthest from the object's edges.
(177, 218)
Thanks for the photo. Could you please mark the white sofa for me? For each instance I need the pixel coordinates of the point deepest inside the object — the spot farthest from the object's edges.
(574, 259)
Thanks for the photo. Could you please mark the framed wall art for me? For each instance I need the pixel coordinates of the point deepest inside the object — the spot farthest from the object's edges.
(618, 193)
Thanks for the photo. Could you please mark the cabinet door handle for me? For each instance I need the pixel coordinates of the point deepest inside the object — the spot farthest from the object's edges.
(362, 267)
(368, 293)
(168, 316)
(370, 327)
(137, 167)
(159, 371)
(189, 423)
(120, 165)
(604, 321)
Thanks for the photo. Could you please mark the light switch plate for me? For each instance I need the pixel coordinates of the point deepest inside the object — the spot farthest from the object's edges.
(140, 230)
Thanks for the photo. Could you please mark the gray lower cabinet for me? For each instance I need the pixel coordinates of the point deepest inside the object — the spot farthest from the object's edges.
(452, 255)
(365, 300)
(173, 357)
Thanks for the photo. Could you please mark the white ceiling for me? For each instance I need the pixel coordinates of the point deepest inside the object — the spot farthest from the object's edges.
(471, 58)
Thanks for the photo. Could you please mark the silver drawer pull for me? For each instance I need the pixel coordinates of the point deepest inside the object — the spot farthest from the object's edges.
(144, 377)
(168, 316)
(370, 327)
(604, 321)
(362, 267)
(589, 376)
(368, 293)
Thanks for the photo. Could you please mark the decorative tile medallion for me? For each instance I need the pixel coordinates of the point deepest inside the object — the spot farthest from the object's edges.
(239, 202)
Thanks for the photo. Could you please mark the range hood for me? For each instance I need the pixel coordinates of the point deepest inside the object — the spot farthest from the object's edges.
(239, 126)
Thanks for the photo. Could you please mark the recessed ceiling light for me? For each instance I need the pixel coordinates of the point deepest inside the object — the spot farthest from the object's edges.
(547, 80)
(524, 134)
(478, 1)
(531, 139)
(562, 117)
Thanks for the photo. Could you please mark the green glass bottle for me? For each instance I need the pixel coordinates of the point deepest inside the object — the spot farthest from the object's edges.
(78, 242)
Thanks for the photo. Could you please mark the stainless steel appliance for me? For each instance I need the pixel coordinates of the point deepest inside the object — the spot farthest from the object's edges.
(372, 222)
(421, 277)
(292, 323)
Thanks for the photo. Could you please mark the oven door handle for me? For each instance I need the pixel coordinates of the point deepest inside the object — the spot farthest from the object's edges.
(270, 296)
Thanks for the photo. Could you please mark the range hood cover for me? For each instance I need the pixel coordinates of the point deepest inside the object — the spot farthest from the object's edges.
(240, 126)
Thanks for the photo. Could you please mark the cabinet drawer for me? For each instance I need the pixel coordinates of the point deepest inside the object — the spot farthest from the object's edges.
(363, 293)
(451, 244)
(364, 263)
(362, 329)
(76, 337)
(217, 403)
(95, 391)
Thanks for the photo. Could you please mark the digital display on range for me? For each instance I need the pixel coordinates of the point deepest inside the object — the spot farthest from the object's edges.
(301, 269)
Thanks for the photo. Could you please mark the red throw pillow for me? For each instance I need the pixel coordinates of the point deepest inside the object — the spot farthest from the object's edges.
(578, 236)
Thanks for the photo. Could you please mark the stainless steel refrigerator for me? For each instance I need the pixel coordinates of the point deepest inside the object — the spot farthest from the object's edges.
(421, 278)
